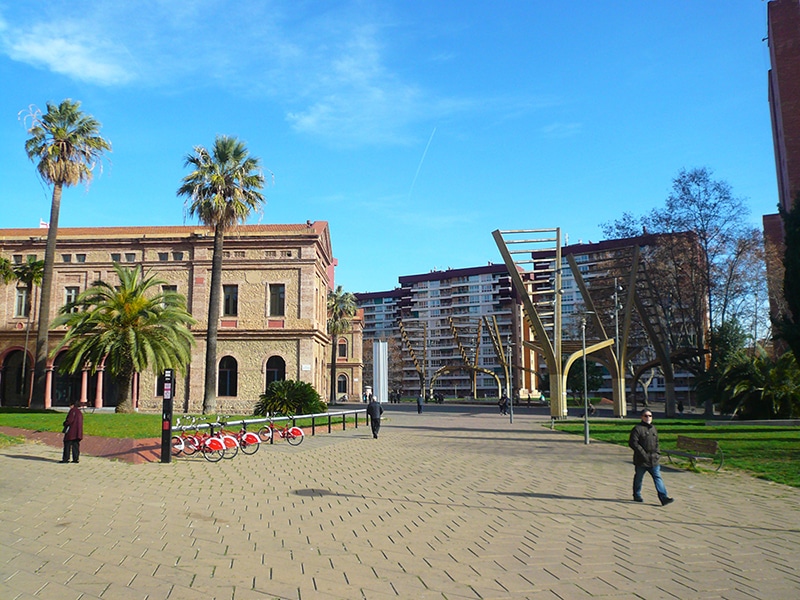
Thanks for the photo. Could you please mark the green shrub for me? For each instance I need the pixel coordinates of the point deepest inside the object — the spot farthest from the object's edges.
(289, 398)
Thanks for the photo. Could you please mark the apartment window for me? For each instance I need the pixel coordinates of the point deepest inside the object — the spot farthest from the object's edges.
(342, 349)
(116, 257)
(230, 300)
(163, 256)
(277, 299)
(21, 305)
(177, 256)
(227, 381)
(17, 258)
(130, 256)
(70, 295)
(66, 258)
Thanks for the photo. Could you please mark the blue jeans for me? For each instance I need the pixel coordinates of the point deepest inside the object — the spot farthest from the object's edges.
(655, 473)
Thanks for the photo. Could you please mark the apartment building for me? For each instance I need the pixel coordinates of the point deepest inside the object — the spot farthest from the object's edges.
(272, 325)
(451, 326)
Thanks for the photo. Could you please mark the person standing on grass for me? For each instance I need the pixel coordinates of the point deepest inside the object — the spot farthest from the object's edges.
(644, 443)
(73, 433)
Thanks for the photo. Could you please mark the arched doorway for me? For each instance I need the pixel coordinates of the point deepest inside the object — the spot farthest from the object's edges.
(66, 387)
(276, 370)
(15, 388)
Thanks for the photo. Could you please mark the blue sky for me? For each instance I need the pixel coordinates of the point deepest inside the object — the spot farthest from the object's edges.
(414, 127)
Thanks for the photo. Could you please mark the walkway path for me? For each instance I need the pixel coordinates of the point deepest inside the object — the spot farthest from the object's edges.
(442, 505)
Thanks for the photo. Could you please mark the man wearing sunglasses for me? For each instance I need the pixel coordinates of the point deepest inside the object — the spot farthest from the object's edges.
(644, 442)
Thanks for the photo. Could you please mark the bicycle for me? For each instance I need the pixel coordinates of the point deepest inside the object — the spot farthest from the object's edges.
(293, 435)
(249, 442)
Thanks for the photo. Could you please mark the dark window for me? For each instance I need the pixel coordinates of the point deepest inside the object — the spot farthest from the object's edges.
(81, 258)
(17, 258)
(177, 256)
(277, 299)
(162, 256)
(66, 257)
(227, 381)
(230, 300)
(341, 384)
(276, 369)
(130, 256)
(115, 256)
(342, 349)
(70, 295)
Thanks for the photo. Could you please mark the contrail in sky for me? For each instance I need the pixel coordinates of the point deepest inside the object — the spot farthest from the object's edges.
(421, 160)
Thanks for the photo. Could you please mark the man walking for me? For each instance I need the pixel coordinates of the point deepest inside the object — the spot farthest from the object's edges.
(374, 410)
(73, 433)
(644, 443)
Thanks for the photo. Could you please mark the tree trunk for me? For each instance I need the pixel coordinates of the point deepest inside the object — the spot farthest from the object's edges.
(333, 369)
(125, 405)
(43, 325)
(214, 303)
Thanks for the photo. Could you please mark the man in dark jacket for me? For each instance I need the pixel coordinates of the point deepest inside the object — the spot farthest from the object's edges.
(644, 442)
(73, 433)
(374, 410)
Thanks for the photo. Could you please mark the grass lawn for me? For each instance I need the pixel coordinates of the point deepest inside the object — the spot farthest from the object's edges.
(766, 451)
(132, 425)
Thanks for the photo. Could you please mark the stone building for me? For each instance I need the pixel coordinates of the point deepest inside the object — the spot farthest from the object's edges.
(272, 325)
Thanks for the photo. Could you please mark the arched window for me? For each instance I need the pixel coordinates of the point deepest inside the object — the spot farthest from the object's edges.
(342, 349)
(341, 384)
(276, 370)
(228, 377)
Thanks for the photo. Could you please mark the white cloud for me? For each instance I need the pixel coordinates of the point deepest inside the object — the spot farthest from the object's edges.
(68, 48)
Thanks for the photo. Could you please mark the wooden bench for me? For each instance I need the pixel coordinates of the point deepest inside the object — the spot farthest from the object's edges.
(696, 449)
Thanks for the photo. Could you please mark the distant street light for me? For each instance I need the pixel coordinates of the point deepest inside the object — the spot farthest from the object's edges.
(585, 380)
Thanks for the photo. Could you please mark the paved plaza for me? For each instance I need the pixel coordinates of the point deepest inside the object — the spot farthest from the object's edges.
(444, 505)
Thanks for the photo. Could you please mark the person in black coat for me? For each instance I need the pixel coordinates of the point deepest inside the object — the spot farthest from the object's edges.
(644, 443)
(374, 411)
(73, 433)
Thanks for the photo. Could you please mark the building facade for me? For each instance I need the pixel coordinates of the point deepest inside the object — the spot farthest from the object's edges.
(448, 324)
(272, 325)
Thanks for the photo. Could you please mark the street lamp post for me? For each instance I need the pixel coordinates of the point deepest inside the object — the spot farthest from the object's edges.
(585, 383)
(509, 387)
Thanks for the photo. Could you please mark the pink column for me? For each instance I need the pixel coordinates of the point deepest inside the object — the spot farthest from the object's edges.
(98, 394)
(84, 385)
(48, 386)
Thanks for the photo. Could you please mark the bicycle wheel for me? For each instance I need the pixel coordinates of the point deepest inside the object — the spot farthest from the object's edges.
(191, 444)
(177, 445)
(213, 455)
(265, 433)
(295, 436)
(249, 443)
(231, 446)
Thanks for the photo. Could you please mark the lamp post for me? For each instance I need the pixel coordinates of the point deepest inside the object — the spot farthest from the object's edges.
(509, 387)
(585, 382)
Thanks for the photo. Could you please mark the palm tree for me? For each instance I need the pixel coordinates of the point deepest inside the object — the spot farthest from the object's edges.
(222, 191)
(6, 270)
(29, 273)
(65, 143)
(128, 328)
(341, 310)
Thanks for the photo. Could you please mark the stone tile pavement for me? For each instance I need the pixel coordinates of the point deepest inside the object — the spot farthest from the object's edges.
(443, 505)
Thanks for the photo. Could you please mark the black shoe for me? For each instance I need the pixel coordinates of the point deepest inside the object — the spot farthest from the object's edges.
(666, 500)
(63, 462)
(638, 499)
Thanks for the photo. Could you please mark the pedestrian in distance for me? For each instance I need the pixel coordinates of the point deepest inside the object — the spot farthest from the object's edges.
(73, 433)
(419, 404)
(644, 443)
(503, 404)
(374, 411)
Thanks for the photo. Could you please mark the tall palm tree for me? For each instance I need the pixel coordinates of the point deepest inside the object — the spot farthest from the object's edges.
(127, 327)
(65, 145)
(30, 273)
(341, 310)
(223, 190)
